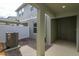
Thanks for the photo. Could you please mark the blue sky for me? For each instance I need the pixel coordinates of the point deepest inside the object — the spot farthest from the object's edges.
(8, 7)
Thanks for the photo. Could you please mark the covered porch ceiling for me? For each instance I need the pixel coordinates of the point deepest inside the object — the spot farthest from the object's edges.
(59, 9)
(63, 8)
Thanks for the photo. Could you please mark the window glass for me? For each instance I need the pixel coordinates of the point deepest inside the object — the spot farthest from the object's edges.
(22, 9)
(35, 28)
(32, 8)
(35, 24)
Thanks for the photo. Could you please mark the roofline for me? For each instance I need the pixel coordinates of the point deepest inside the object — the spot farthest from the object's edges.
(21, 6)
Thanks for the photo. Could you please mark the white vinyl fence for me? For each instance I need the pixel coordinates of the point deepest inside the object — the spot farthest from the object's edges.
(21, 30)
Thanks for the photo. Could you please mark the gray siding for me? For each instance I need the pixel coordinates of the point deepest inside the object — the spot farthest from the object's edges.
(30, 24)
(28, 13)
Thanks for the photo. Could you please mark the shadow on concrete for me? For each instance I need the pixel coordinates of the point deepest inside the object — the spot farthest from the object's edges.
(15, 52)
(31, 43)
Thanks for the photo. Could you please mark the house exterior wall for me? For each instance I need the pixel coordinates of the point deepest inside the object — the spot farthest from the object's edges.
(31, 28)
(28, 13)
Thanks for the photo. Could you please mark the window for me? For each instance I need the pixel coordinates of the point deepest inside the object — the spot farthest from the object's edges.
(21, 12)
(35, 24)
(32, 8)
(35, 28)
(22, 9)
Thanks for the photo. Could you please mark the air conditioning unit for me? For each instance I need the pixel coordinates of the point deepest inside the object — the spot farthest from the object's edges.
(11, 40)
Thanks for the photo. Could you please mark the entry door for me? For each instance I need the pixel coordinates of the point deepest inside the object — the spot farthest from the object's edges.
(67, 28)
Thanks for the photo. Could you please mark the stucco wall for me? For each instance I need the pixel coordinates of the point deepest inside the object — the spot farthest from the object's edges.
(53, 30)
(67, 28)
(77, 24)
(77, 33)
(48, 29)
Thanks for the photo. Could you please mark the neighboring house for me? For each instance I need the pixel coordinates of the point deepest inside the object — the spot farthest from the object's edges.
(26, 11)
(28, 14)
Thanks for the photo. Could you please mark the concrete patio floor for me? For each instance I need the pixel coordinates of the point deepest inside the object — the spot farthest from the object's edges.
(28, 47)
(62, 48)
(58, 48)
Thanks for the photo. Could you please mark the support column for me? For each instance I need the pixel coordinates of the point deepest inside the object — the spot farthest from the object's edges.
(40, 33)
(77, 34)
(48, 30)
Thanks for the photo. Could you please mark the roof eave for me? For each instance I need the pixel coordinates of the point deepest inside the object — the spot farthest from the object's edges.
(21, 6)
